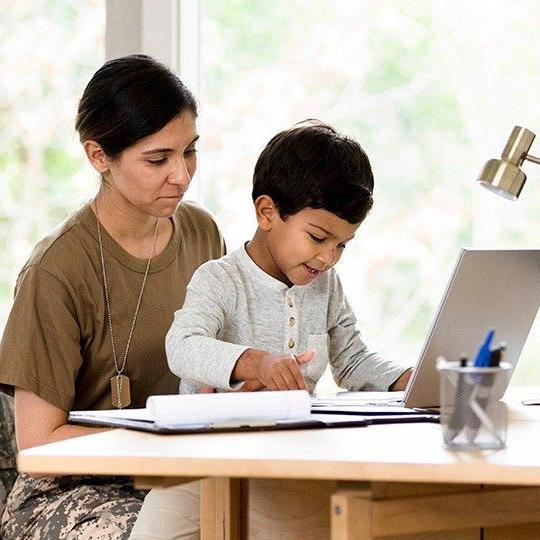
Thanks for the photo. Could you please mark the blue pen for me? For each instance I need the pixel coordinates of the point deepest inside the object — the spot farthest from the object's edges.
(483, 354)
(484, 358)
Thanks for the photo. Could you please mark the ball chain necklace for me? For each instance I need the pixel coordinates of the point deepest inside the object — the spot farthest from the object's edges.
(120, 383)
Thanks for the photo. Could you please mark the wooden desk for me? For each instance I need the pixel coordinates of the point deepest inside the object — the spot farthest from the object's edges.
(381, 481)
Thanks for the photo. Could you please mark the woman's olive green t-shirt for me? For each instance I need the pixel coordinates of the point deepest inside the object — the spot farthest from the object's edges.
(56, 343)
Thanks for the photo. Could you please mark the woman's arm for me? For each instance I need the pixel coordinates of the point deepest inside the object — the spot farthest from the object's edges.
(38, 422)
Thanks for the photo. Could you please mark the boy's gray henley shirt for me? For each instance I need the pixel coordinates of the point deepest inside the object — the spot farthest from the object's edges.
(232, 305)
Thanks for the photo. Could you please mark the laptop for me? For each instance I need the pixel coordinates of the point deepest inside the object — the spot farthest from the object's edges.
(488, 289)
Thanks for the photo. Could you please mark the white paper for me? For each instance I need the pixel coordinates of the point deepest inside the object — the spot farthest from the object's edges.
(228, 407)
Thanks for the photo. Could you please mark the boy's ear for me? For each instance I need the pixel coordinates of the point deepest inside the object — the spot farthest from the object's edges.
(266, 212)
(96, 156)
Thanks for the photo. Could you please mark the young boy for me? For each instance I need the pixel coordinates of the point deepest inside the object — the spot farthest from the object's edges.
(273, 312)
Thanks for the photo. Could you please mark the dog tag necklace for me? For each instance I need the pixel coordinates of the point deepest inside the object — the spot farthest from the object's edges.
(120, 384)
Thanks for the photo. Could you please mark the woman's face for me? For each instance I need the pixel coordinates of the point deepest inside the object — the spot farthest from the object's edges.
(152, 176)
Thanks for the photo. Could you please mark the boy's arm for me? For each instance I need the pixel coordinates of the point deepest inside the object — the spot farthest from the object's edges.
(353, 365)
(195, 354)
(193, 349)
(401, 382)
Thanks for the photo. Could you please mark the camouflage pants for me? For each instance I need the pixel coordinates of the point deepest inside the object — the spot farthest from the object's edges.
(71, 507)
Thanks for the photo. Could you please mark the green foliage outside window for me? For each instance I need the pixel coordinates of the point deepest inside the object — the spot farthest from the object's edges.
(49, 51)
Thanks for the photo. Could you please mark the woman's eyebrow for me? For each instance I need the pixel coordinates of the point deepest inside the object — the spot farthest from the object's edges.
(157, 151)
(166, 150)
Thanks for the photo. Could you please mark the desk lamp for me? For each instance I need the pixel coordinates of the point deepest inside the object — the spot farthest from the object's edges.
(504, 176)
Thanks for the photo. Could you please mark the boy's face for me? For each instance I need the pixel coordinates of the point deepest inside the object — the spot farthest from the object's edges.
(302, 246)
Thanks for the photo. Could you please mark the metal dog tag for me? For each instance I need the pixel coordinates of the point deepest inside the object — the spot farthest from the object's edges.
(120, 391)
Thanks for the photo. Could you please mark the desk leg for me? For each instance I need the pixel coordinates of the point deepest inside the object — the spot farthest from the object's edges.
(220, 509)
(352, 515)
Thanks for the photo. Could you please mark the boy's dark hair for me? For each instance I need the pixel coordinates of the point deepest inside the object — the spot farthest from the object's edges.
(130, 98)
(312, 165)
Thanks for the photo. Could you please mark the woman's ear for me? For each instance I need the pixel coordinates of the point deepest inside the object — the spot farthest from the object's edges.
(266, 212)
(96, 156)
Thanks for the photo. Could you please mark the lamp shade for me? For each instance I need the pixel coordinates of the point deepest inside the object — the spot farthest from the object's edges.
(503, 178)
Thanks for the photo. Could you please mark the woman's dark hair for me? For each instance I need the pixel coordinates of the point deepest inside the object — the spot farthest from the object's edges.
(128, 99)
(312, 165)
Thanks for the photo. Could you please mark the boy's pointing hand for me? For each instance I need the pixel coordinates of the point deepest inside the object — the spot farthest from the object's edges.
(283, 372)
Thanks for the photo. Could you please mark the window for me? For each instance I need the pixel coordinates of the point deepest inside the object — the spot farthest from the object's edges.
(49, 51)
(431, 89)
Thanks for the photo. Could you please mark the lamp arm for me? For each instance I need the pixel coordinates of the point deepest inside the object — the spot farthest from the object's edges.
(536, 160)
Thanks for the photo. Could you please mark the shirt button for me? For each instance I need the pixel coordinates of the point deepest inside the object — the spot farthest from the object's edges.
(292, 321)
(291, 343)
(290, 301)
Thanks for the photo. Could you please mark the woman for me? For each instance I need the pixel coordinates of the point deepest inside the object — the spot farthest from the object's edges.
(97, 296)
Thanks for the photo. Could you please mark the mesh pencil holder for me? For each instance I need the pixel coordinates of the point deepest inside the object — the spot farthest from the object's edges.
(472, 415)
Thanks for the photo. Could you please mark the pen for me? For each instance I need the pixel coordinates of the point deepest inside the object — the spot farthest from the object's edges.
(482, 356)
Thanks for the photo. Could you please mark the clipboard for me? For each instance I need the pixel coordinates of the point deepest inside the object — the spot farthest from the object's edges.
(313, 421)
